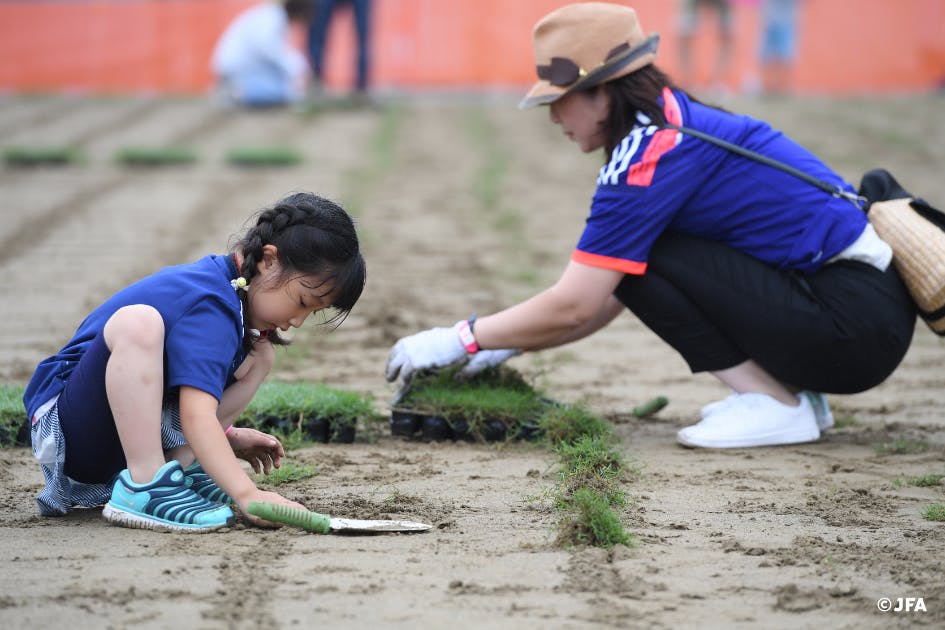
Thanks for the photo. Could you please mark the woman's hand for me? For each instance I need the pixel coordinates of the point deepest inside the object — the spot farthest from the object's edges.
(433, 348)
(486, 359)
(264, 496)
(263, 451)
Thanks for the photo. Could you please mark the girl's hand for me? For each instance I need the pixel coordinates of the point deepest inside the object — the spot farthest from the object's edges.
(263, 451)
(266, 497)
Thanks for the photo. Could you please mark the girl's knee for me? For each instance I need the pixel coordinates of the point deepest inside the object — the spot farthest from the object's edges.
(138, 324)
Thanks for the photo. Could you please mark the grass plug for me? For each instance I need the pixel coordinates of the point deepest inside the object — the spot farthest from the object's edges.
(650, 407)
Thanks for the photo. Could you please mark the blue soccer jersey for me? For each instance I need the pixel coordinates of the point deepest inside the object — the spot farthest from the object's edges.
(661, 179)
(203, 329)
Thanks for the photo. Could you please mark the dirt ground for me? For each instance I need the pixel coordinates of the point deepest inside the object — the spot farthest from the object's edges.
(463, 206)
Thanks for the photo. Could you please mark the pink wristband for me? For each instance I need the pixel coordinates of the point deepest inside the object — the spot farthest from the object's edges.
(228, 429)
(466, 337)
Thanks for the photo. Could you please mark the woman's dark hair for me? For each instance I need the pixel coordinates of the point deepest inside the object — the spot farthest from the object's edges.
(313, 237)
(299, 10)
(638, 91)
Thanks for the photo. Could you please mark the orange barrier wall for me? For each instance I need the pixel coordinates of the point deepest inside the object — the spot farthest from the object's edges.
(99, 46)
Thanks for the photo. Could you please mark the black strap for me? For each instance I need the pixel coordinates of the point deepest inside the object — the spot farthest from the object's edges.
(836, 191)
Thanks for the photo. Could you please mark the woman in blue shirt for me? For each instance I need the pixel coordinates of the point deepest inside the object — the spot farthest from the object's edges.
(780, 290)
(137, 410)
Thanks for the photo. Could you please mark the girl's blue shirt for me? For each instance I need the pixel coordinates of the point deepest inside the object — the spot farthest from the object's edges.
(661, 179)
(203, 330)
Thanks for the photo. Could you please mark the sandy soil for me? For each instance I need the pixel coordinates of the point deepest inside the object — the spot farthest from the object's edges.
(463, 206)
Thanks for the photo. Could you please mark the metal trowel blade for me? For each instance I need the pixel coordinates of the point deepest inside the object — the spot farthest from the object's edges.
(354, 525)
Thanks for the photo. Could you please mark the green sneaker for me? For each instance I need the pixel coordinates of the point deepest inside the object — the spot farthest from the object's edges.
(165, 504)
(201, 483)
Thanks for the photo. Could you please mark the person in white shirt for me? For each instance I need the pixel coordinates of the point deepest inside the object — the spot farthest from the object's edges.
(254, 62)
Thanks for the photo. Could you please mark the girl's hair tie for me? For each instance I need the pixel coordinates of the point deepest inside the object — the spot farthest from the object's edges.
(239, 283)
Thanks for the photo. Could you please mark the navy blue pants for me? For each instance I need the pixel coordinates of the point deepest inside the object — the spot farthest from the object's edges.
(93, 450)
(318, 36)
(841, 330)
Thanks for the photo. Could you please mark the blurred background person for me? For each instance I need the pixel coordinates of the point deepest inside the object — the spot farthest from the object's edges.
(322, 15)
(691, 14)
(254, 61)
(778, 44)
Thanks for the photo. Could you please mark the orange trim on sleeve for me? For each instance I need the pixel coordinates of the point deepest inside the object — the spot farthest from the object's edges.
(633, 267)
(641, 173)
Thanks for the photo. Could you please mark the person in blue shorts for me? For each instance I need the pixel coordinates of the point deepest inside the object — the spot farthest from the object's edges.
(136, 411)
(781, 291)
(778, 44)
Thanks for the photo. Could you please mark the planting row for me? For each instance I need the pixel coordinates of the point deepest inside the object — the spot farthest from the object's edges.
(24, 157)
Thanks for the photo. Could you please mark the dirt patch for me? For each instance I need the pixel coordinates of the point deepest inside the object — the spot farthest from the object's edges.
(463, 206)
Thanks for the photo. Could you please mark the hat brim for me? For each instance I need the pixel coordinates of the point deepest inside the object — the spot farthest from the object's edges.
(544, 93)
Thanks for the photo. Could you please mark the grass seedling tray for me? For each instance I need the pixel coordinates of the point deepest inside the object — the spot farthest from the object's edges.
(155, 156)
(320, 413)
(494, 405)
(263, 156)
(14, 425)
(25, 157)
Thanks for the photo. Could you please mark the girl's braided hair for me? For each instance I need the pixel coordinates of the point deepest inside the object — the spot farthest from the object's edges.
(314, 237)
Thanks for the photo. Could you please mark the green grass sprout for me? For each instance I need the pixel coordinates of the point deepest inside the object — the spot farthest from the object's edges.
(155, 156)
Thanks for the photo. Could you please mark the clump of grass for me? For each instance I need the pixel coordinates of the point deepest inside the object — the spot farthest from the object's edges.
(41, 156)
(263, 156)
(588, 495)
(589, 520)
(589, 490)
(902, 446)
(844, 421)
(395, 497)
(925, 481)
(291, 440)
(14, 426)
(287, 473)
(155, 156)
(934, 512)
(592, 456)
(567, 424)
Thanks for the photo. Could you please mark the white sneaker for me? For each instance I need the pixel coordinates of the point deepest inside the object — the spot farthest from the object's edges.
(717, 405)
(817, 400)
(753, 420)
(821, 409)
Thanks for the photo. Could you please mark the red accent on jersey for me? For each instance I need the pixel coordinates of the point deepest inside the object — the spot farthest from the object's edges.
(632, 267)
(641, 173)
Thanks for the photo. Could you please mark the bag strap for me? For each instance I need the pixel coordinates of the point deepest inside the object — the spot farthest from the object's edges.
(836, 191)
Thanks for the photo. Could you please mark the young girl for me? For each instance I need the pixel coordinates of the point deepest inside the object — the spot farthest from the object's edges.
(778, 289)
(138, 408)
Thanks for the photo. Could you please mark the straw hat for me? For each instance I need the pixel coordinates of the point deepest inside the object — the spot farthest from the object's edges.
(582, 45)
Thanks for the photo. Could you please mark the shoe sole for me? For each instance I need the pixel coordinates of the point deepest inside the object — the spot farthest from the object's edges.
(768, 440)
(120, 517)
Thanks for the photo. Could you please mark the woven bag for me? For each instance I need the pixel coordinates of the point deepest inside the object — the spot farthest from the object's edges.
(918, 254)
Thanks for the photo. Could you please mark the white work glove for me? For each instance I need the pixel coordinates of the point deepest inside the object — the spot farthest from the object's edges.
(433, 348)
(486, 359)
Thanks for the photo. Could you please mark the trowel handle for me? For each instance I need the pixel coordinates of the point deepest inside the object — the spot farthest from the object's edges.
(287, 515)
